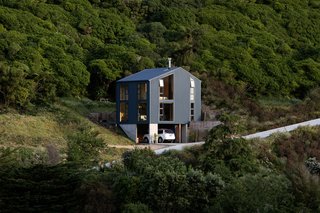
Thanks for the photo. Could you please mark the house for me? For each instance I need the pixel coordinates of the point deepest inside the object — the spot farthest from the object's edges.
(158, 98)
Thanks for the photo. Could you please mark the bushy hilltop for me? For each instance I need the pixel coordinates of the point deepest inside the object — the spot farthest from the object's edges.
(53, 48)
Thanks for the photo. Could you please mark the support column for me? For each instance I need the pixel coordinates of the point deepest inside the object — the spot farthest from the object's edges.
(178, 133)
(153, 131)
(184, 133)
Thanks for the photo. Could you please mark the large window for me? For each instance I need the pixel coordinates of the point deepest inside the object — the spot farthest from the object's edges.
(142, 91)
(123, 111)
(166, 88)
(123, 92)
(166, 112)
(142, 102)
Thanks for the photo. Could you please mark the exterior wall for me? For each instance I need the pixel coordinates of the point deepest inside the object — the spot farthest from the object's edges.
(132, 102)
(181, 98)
(154, 101)
(130, 130)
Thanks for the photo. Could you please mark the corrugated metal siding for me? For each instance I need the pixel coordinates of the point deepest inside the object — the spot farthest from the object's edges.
(181, 96)
(154, 101)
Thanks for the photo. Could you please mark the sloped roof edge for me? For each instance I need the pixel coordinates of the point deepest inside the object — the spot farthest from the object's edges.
(150, 74)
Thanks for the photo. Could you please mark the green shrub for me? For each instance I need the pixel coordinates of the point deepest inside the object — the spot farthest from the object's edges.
(224, 151)
(136, 208)
(262, 192)
(84, 147)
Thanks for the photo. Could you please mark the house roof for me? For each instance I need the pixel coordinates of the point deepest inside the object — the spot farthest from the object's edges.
(147, 74)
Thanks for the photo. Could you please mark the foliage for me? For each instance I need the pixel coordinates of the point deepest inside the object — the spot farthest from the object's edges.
(84, 147)
(76, 48)
(239, 182)
(241, 50)
(313, 166)
(256, 193)
(295, 152)
(136, 208)
(225, 154)
(39, 188)
(47, 135)
(5, 155)
(165, 182)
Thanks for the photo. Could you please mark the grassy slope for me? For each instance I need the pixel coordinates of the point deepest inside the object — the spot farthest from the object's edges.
(33, 134)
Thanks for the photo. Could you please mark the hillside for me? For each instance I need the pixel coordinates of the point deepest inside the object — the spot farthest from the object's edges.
(238, 48)
(48, 135)
(259, 62)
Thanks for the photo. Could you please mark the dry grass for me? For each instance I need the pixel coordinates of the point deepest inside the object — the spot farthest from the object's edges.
(33, 134)
(32, 131)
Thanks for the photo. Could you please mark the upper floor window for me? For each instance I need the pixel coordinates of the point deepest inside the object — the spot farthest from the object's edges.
(192, 85)
(124, 92)
(166, 88)
(142, 91)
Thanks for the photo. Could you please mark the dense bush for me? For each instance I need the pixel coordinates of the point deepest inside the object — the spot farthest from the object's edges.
(39, 189)
(256, 193)
(225, 175)
(226, 155)
(75, 48)
(294, 153)
(165, 183)
(84, 147)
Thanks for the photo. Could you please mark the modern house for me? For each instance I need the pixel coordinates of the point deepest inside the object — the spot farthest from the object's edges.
(158, 98)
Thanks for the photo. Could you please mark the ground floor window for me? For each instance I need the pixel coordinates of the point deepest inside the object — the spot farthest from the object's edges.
(123, 111)
(142, 112)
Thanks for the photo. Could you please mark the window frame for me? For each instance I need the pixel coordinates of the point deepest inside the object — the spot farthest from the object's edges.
(145, 86)
(192, 111)
(124, 92)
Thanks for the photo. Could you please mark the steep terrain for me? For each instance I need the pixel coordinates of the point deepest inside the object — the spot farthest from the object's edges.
(48, 135)
(238, 48)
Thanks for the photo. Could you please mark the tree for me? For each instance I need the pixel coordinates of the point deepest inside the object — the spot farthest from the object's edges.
(103, 72)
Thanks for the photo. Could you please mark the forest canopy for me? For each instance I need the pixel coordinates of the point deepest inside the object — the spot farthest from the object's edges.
(52, 48)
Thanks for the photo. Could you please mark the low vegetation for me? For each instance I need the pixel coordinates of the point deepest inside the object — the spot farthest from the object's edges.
(51, 135)
(225, 175)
